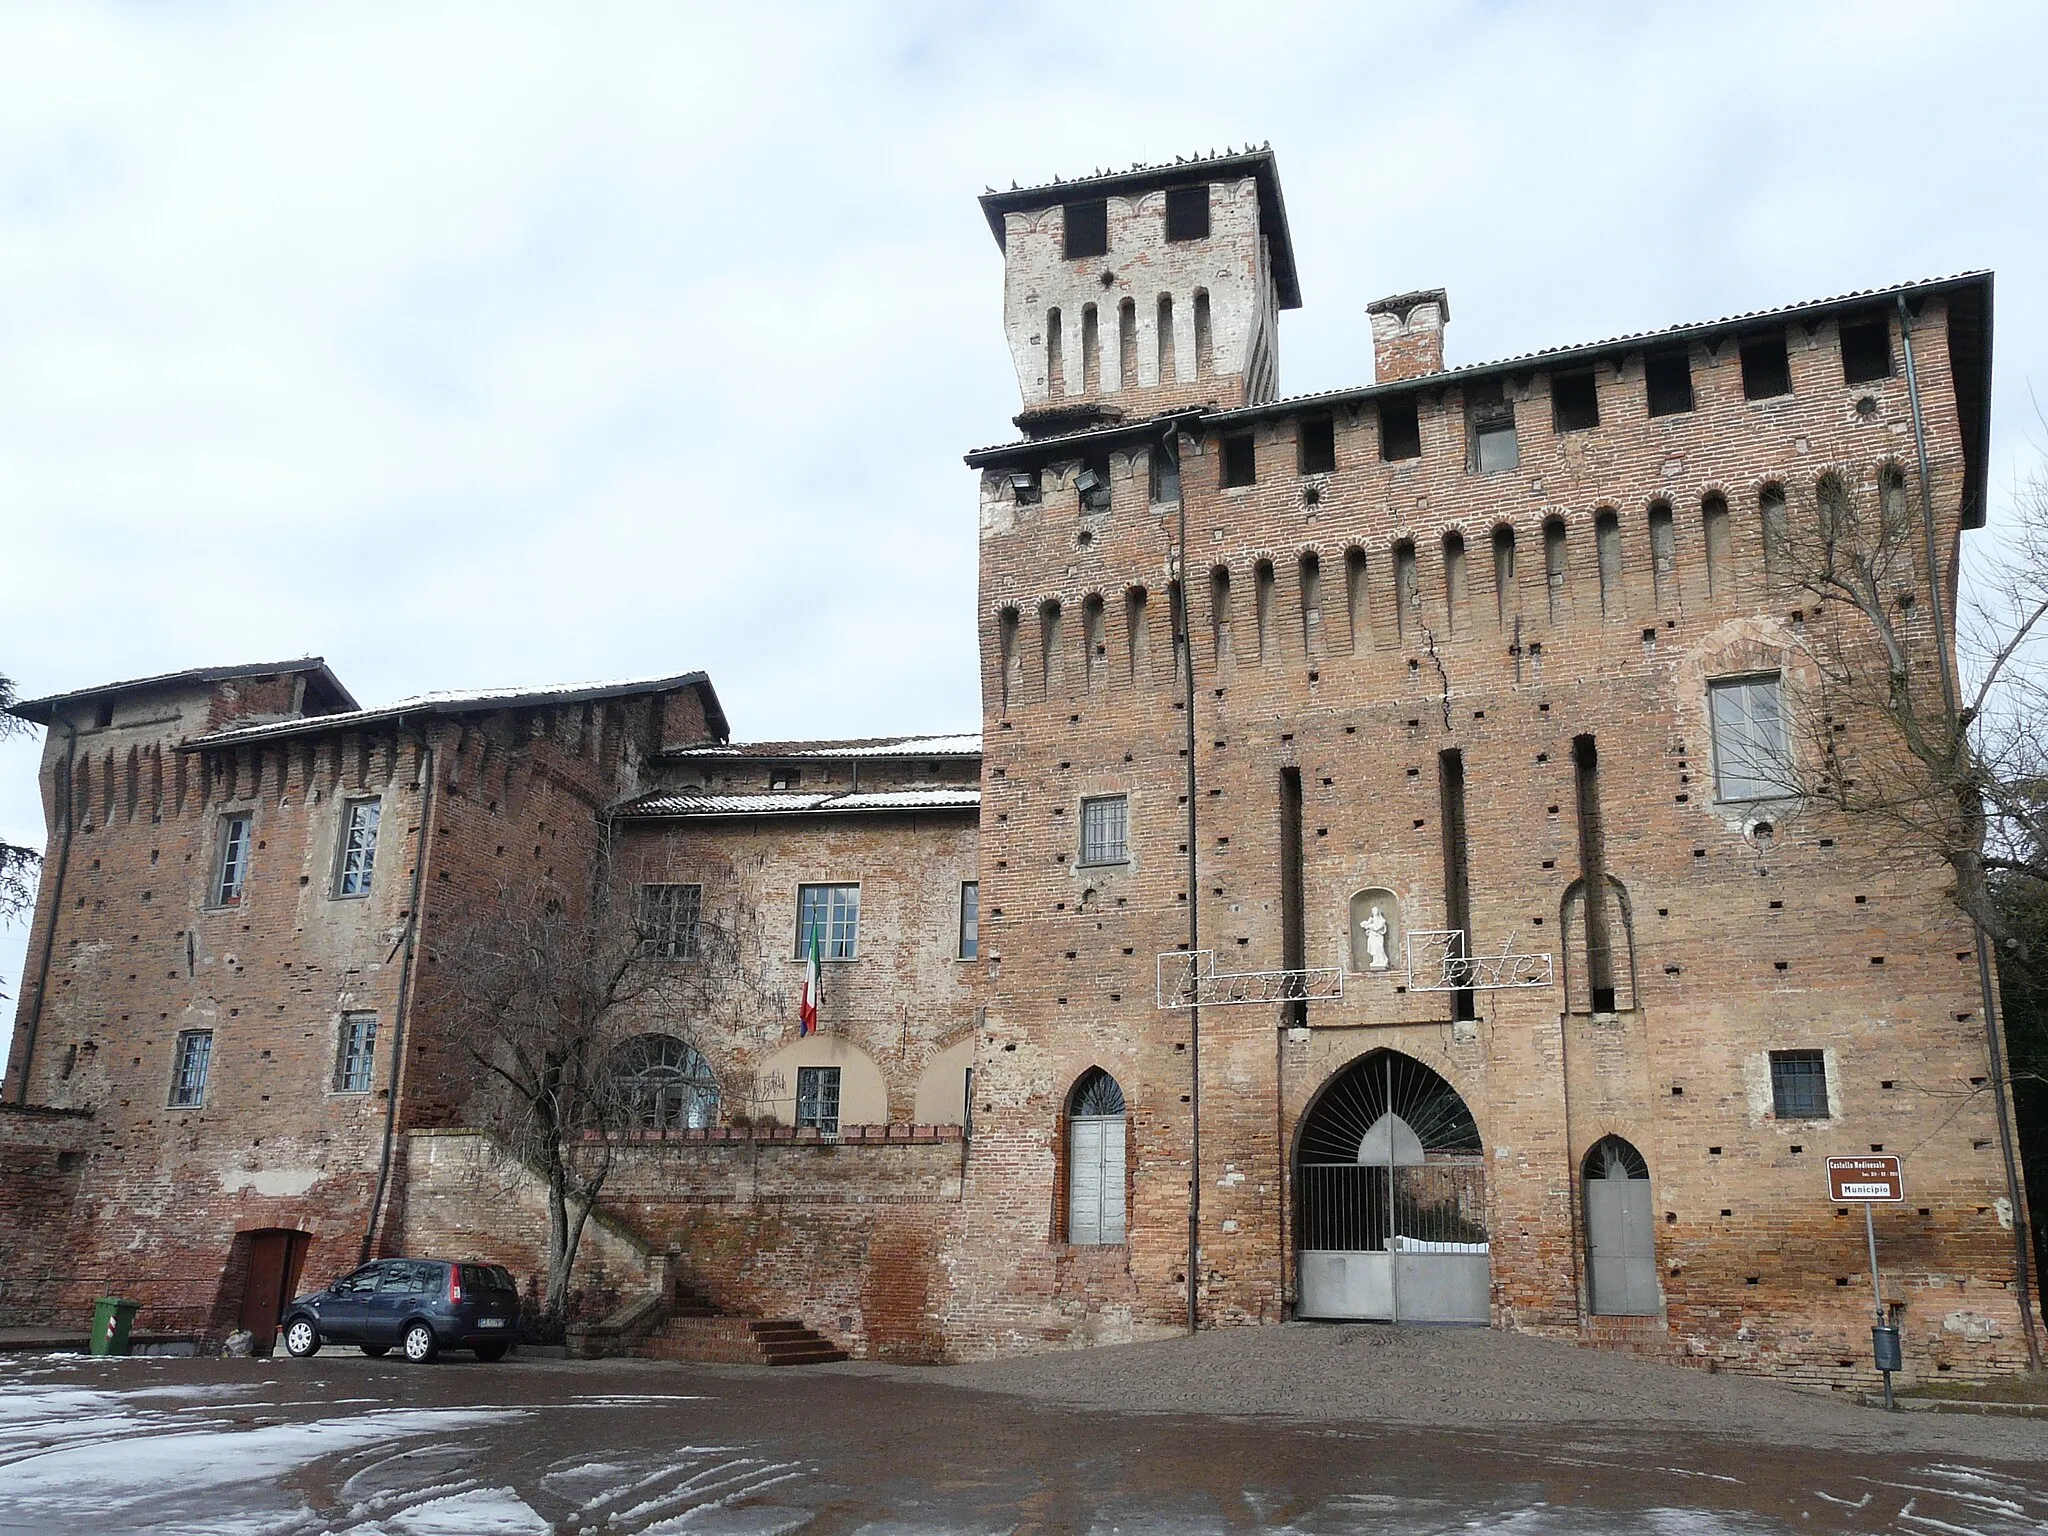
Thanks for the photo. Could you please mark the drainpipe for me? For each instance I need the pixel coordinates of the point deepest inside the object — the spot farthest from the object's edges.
(410, 941)
(1187, 664)
(2022, 1264)
(65, 794)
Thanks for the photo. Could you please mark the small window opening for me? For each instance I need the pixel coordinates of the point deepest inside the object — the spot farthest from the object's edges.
(103, 713)
(1187, 213)
(1667, 378)
(1165, 473)
(1087, 229)
(1574, 401)
(1317, 437)
(1092, 482)
(1607, 545)
(1766, 370)
(1866, 348)
(1490, 425)
(1240, 460)
(1504, 573)
(1400, 429)
(1799, 1085)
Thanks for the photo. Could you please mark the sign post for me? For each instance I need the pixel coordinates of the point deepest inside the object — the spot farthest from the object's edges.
(1871, 1179)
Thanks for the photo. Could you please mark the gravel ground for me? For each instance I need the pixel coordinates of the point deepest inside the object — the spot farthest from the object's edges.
(1463, 1378)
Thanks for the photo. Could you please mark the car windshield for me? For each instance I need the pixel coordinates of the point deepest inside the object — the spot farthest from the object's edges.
(487, 1277)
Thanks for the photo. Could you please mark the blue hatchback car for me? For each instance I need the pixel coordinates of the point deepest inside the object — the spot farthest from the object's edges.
(421, 1306)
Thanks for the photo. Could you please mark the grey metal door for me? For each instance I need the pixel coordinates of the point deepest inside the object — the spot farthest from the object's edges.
(1621, 1232)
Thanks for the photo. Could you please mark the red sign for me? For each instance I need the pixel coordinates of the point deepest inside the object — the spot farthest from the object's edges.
(1865, 1178)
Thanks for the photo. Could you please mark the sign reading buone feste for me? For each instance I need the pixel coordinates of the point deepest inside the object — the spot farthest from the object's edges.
(1865, 1178)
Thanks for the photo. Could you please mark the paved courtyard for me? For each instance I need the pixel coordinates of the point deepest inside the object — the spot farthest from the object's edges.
(1299, 1429)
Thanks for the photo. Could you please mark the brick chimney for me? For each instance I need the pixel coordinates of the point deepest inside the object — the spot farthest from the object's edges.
(1408, 334)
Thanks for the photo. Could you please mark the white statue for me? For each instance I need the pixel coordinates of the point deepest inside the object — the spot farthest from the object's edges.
(1375, 927)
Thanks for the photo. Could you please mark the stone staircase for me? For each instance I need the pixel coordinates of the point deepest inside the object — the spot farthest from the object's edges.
(686, 1325)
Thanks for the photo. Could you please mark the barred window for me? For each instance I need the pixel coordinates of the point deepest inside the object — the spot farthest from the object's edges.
(1105, 830)
(355, 1057)
(188, 1068)
(668, 919)
(233, 866)
(1799, 1085)
(663, 1084)
(817, 1098)
(833, 913)
(358, 847)
(1752, 760)
(970, 919)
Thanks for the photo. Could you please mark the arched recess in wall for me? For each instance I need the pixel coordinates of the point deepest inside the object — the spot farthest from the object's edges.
(1506, 600)
(1555, 570)
(942, 1087)
(1164, 339)
(1714, 534)
(1389, 956)
(843, 1068)
(1773, 526)
(1205, 361)
(1621, 1231)
(1096, 1163)
(664, 1084)
(1585, 975)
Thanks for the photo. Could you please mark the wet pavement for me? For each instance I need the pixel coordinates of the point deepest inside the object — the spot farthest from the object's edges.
(1280, 1430)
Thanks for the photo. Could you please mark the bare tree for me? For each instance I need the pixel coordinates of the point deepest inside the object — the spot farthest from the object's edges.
(544, 983)
(18, 865)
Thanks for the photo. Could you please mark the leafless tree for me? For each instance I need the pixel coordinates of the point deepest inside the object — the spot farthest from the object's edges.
(18, 865)
(542, 986)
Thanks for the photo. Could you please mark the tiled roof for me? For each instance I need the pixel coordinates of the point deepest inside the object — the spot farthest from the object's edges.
(779, 803)
(965, 744)
(447, 702)
(44, 709)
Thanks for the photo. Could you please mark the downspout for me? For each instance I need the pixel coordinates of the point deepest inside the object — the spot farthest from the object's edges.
(410, 940)
(1187, 664)
(65, 797)
(2022, 1264)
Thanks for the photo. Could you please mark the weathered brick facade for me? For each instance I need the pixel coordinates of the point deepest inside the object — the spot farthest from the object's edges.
(1463, 682)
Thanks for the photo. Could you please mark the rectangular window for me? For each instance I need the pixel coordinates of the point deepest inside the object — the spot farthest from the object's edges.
(1490, 425)
(358, 847)
(1400, 429)
(833, 913)
(970, 919)
(1766, 371)
(668, 919)
(233, 867)
(1187, 213)
(1668, 378)
(817, 1098)
(188, 1068)
(782, 777)
(1866, 348)
(1752, 760)
(1105, 830)
(1318, 439)
(1799, 1085)
(1165, 477)
(1240, 460)
(355, 1057)
(1087, 229)
(1574, 401)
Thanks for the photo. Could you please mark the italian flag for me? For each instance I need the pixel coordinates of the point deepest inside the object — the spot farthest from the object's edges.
(807, 1005)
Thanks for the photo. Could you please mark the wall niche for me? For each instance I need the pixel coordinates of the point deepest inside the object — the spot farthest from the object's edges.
(1375, 947)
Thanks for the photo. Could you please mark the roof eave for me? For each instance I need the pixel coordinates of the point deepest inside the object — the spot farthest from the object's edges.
(43, 711)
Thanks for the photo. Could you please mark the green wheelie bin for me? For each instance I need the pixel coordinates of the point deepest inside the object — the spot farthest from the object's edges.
(111, 1319)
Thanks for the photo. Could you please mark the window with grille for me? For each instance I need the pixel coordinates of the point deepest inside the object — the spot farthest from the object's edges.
(188, 1068)
(668, 919)
(1105, 830)
(355, 1057)
(233, 866)
(358, 847)
(833, 913)
(1799, 1085)
(817, 1098)
(970, 919)
(1752, 758)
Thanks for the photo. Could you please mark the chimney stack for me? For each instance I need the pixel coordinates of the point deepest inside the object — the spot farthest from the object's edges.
(1408, 334)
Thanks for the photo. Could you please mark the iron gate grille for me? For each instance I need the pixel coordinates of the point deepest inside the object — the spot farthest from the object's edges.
(1434, 1207)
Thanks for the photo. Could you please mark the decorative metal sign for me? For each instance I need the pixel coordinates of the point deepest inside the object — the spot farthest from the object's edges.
(1437, 962)
(1189, 979)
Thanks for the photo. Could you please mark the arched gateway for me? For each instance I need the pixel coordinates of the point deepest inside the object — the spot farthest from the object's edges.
(1390, 1198)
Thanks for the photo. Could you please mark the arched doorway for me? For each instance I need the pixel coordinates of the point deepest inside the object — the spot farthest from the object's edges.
(1621, 1232)
(1390, 1198)
(1095, 1160)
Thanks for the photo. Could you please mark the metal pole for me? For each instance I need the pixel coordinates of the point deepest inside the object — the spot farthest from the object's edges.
(1186, 650)
(1876, 1289)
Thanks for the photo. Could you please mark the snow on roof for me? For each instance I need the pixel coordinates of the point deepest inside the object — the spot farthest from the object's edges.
(964, 744)
(778, 803)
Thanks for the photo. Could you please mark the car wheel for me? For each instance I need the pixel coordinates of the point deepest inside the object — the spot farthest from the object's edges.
(376, 1351)
(491, 1352)
(301, 1339)
(420, 1344)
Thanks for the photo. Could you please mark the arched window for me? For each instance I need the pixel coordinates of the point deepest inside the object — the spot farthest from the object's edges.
(664, 1085)
(1095, 1160)
(1621, 1232)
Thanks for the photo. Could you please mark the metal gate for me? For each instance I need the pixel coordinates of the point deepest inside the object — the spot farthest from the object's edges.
(1621, 1232)
(1390, 1199)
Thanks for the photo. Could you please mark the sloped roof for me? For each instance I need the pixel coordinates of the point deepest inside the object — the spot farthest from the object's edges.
(962, 745)
(696, 804)
(43, 710)
(455, 703)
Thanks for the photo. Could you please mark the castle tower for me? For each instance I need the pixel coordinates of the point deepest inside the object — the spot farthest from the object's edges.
(1131, 293)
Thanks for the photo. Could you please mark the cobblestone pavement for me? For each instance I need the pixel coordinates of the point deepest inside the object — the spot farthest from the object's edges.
(1301, 1429)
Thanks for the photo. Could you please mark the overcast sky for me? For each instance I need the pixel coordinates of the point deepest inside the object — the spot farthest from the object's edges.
(469, 345)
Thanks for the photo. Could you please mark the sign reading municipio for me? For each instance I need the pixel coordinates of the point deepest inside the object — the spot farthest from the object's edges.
(1865, 1178)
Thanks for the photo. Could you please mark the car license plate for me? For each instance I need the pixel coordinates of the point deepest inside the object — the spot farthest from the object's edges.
(490, 1322)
